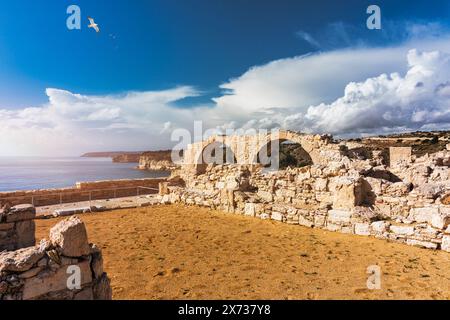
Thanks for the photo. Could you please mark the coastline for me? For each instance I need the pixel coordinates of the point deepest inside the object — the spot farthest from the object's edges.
(37, 173)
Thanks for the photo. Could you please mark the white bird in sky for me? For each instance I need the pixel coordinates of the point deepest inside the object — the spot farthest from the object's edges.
(93, 25)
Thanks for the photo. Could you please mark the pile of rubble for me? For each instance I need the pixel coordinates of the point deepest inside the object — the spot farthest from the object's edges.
(406, 201)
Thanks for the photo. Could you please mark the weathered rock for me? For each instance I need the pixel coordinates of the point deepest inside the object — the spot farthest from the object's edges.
(25, 233)
(71, 236)
(276, 216)
(47, 282)
(20, 260)
(422, 244)
(97, 262)
(339, 216)
(379, 227)
(445, 245)
(402, 230)
(305, 222)
(21, 213)
(85, 295)
(362, 229)
(102, 288)
(250, 209)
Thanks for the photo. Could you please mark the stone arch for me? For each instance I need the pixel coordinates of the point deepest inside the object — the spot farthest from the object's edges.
(289, 153)
(247, 147)
(214, 151)
(312, 144)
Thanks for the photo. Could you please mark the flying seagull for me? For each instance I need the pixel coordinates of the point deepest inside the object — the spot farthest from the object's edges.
(93, 25)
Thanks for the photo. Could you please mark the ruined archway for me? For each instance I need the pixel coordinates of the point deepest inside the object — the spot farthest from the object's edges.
(214, 153)
(279, 154)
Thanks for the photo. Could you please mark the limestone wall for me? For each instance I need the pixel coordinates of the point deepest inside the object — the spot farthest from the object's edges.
(17, 227)
(408, 203)
(246, 147)
(81, 192)
(65, 267)
(399, 155)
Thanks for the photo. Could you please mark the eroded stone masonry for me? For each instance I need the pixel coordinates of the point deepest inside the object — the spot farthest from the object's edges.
(43, 271)
(389, 195)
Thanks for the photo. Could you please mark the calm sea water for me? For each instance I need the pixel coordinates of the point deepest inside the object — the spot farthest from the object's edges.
(27, 173)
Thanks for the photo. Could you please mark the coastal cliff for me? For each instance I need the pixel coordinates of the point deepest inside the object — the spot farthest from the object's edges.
(157, 160)
(127, 158)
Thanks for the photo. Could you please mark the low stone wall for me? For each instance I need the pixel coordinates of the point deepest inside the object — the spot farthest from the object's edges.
(17, 227)
(83, 191)
(408, 203)
(66, 267)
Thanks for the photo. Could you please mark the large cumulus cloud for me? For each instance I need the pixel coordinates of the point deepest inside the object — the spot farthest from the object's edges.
(344, 92)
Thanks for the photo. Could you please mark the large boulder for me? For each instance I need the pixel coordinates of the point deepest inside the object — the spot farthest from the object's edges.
(71, 236)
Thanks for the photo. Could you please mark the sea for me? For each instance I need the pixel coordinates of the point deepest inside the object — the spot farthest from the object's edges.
(30, 173)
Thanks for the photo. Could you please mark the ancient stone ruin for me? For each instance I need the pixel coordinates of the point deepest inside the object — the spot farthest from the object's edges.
(394, 196)
(49, 269)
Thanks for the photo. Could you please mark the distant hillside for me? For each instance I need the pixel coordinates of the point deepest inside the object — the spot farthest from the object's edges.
(420, 142)
(162, 155)
(109, 154)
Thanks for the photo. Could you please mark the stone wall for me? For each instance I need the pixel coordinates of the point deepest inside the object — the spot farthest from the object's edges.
(17, 227)
(246, 148)
(82, 192)
(399, 156)
(65, 267)
(363, 197)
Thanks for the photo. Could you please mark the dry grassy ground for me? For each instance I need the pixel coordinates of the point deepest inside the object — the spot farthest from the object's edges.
(171, 252)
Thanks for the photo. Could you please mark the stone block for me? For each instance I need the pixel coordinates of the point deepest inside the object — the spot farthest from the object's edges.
(85, 295)
(319, 221)
(47, 282)
(321, 184)
(278, 216)
(102, 288)
(250, 210)
(345, 195)
(265, 195)
(379, 226)
(20, 260)
(402, 230)
(362, 229)
(445, 245)
(21, 212)
(399, 155)
(339, 216)
(421, 215)
(422, 244)
(439, 221)
(71, 236)
(333, 227)
(25, 231)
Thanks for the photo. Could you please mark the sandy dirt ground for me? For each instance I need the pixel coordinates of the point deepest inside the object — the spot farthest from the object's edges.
(174, 252)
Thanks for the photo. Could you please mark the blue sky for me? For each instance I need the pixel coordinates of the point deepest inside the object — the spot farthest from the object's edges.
(162, 43)
(232, 57)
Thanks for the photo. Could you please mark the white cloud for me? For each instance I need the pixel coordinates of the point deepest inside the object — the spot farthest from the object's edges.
(418, 100)
(354, 90)
(72, 123)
